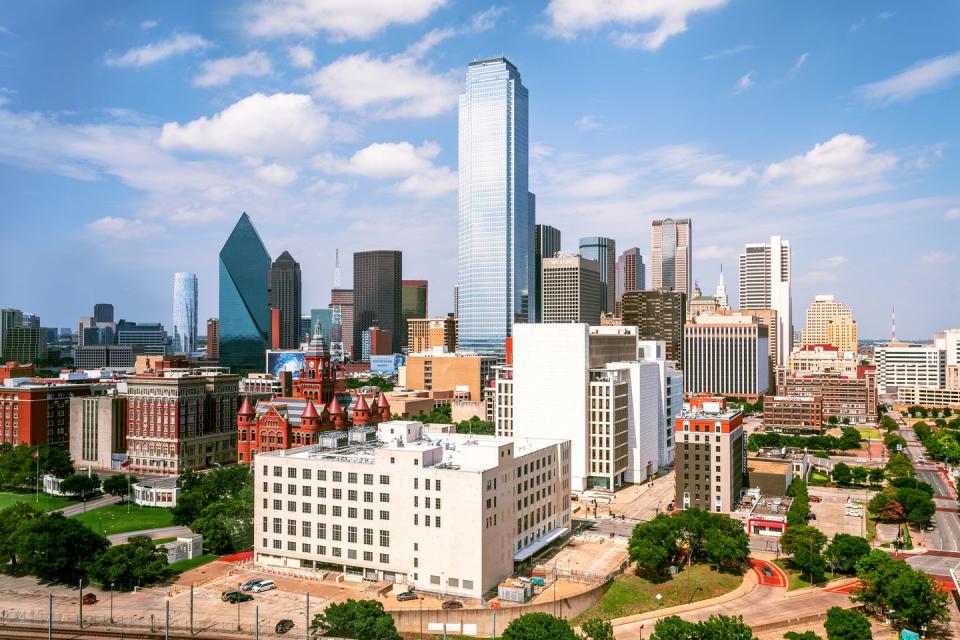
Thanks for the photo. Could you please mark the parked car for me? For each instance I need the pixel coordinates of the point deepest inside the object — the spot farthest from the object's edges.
(853, 514)
(811, 516)
(249, 584)
(815, 498)
(234, 597)
(453, 604)
(226, 595)
(89, 598)
(283, 626)
(263, 585)
(767, 571)
(406, 596)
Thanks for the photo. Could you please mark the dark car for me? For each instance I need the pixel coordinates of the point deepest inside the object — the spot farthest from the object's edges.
(226, 595)
(234, 597)
(811, 516)
(89, 598)
(767, 571)
(283, 626)
(453, 604)
(406, 596)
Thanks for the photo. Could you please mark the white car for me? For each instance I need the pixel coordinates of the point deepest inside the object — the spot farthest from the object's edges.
(853, 514)
(264, 585)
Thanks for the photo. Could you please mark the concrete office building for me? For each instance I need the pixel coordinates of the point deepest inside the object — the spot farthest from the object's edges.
(21, 339)
(179, 420)
(377, 295)
(829, 322)
(631, 276)
(103, 312)
(820, 358)
(375, 342)
(659, 315)
(213, 339)
(104, 356)
(98, 433)
(793, 414)
(546, 245)
(404, 507)
(726, 356)
(466, 374)
(572, 289)
(495, 224)
(428, 334)
(142, 337)
(909, 365)
(413, 304)
(604, 251)
(286, 299)
(184, 312)
(765, 281)
(711, 456)
(672, 254)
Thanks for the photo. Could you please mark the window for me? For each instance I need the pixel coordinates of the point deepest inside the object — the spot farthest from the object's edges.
(368, 478)
(305, 507)
(384, 538)
(384, 497)
(291, 505)
(305, 547)
(437, 522)
(352, 495)
(305, 528)
(278, 504)
(352, 478)
(426, 502)
(468, 584)
(368, 556)
(277, 472)
(352, 535)
(352, 554)
(335, 552)
(385, 558)
(368, 536)
(337, 510)
(291, 472)
(337, 532)
(322, 549)
(322, 475)
(306, 491)
(322, 509)
(352, 512)
(291, 527)
(277, 545)
(435, 580)
(337, 494)
(437, 486)
(426, 484)
(385, 515)
(307, 473)
(322, 530)
(368, 496)
(322, 492)
(386, 480)
(277, 525)
(277, 487)
(368, 514)
(264, 524)
(337, 476)
(426, 521)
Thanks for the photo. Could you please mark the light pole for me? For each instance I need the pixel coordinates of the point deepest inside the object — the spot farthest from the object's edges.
(420, 602)
(81, 603)
(111, 601)
(238, 606)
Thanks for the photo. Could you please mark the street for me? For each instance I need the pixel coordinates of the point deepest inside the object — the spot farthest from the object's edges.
(946, 533)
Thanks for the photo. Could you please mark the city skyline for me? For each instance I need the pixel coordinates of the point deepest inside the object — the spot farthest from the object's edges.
(744, 127)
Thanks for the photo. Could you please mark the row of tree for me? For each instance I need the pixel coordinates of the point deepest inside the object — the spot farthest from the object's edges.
(700, 536)
(443, 415)
(892, 588)
(219, 506)
(846, 475)
(19, 465)
(904, 500)
(943, 444)
(849, 439)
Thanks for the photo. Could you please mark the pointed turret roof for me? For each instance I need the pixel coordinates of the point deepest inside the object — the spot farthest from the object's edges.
(310, 411)
(382, 401)
(246, 409)
(334, 407)
(361, 404)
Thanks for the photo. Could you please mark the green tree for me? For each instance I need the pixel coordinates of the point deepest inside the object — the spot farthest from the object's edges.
(841, 473)
(833, 420)
(12, 519)
(597, 629)
(716, 627)
(899, 466)
(805, 544)
(859, 475)
(57, 549)
(125, 566)
(915, 599)
(674, 628)
(918, 507)
(806, 635)
(80, 484)
(218, 505)
(538, 626)
(226, 525)
(727, 545)
(847, 624)
(116, 485)
(845, 551)
(875, 475)
(653, 545)
(359, 619)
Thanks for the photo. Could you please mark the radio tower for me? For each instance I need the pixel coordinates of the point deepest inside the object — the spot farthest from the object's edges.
(893, 324)
(336, 271)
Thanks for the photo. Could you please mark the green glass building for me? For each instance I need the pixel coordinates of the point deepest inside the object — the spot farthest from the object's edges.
(244, 290)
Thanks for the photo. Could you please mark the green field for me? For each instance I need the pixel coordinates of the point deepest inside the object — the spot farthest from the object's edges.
(185, 565)
(630, 594)
(47, 502)
(796, 579)
(114, 518)
(870, 432)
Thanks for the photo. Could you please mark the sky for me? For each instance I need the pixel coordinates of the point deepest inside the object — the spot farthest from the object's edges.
(133, 135)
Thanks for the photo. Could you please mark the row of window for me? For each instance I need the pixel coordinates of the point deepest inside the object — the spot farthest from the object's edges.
(336, 510)
(337, 476)
(336, 531)
(336, 552)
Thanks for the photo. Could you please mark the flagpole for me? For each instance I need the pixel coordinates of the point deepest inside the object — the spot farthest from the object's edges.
(128, 488)
(37, 457)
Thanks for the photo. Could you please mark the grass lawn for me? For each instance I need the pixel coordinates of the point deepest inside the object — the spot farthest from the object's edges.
(47, 502)
(870, 432)
(795, 579)
(630, 594)
(115, 519)
(818, 479)
(185, 565)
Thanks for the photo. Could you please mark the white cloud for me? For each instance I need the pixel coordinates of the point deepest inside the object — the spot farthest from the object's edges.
(339, 19)
(586, 123)
(281, 124)
(745, 82)
(154, 52)
(146, 25)
(832, 262)
(568, 18)
(923, 77)
(953, 214)
(732, 51)
(798, 65)
(937, 259)
(395, 87)
(393, 160)
(122, 228)
(215, 73)
(722, 178)
(843, 158)
(277, 174)
(713, 252)
(813, 277)
(301, 56)
(437, 182)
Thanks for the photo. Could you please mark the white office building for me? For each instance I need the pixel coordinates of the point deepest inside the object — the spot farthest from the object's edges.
(443, 513)
(726, 356)
(765, 284)
(909, 365)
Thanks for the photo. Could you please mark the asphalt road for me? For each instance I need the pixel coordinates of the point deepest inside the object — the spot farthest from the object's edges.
(161, 532)
(81, 507)
(946, 534)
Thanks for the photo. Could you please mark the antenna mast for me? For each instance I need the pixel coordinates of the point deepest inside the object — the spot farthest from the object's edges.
(336, 271)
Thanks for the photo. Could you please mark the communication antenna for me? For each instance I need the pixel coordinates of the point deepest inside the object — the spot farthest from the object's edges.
(336, 271)
(893, 324)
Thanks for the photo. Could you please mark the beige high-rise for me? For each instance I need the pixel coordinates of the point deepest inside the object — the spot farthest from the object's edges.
(829, 322)
(670, 241)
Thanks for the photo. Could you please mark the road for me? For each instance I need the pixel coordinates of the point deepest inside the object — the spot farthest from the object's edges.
(78, 508)
(161, 532)
(946, 534)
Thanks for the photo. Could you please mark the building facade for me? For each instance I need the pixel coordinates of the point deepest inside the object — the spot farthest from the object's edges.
(711, 456)
(377, 295)
(849, 400)
(429, 334)
(35, 413)
(98, 433)
(820, 358)
(184, 312)
(213, 339)
(244, 298)
(726, 356)
(793, 414)
(546, 244)
(104, 356)
(413, 304)
(604, 251)
(659, 315)
(765, 283)
(572, 289)
(404, 507)
(672, 256)
(286, 298)
(466, 374)
(495, 225)
(103, 312)
(829, 322)
(341, 302)
(910, 365)
(631, 275)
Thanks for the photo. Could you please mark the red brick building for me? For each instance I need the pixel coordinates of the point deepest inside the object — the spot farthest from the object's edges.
(38, 413)
(793, 414)
(853, 400)
(14, 370)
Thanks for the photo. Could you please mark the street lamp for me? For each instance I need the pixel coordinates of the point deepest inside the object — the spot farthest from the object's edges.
(111, 600)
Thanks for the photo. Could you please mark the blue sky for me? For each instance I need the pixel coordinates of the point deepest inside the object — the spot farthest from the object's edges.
(132, 135)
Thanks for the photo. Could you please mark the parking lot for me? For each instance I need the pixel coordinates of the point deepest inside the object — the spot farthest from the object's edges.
(833, 508)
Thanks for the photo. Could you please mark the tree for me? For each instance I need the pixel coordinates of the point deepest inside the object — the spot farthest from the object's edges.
(116, 485)
(11, 520)
(918, 507)
(57, 549)
(716, 627)
(80, 484)
(674, 628)
(915, 599)
(841, 473)
(847, 624)
(845, 551)
(218, 505)
(833, 420)
(359, 619)
(805, 544)
(597, 629)
(653, 545)
(859, 474)
(875, 475)
(538, 626)
(125, 566)
(226, 525)
(806, 635)
(727, 546)
(899, 466)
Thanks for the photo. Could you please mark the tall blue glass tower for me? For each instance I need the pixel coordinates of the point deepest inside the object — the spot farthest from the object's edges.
(244, 287)
(496, 224)
(184, 312)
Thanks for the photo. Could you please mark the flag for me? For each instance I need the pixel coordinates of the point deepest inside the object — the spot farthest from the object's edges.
(125, 464)
(35, 454)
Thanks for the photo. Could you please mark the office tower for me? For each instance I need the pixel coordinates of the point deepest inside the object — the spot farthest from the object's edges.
(9, 319)
(631, 276)
(427, 334)
(285, 293)
(850, 399)
(465, 374)
(711, 456)
(495, 225)
(103, 312)
(456, 300)
(671, 246)
(149, 338)
(213, 339)
(38, 413)
(413, 304)
(21, 338)
(324, 318)
(546, 244)
(377, 294)
(829, 322)
(659, 315)
(244, 305)
(306, 326)
(910, 365)
(604, 251)
(572, 289)
(726, 356)
(341, 303)
(184, 312)
(765, 284)
(98, 430)
(375, 342)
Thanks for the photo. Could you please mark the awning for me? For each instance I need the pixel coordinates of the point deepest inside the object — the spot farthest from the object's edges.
(538, 544)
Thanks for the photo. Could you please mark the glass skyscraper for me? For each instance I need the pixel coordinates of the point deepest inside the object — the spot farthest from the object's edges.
(604, 251)
(244, 311)
(670, 242)
(495, 263)
(184, 312)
